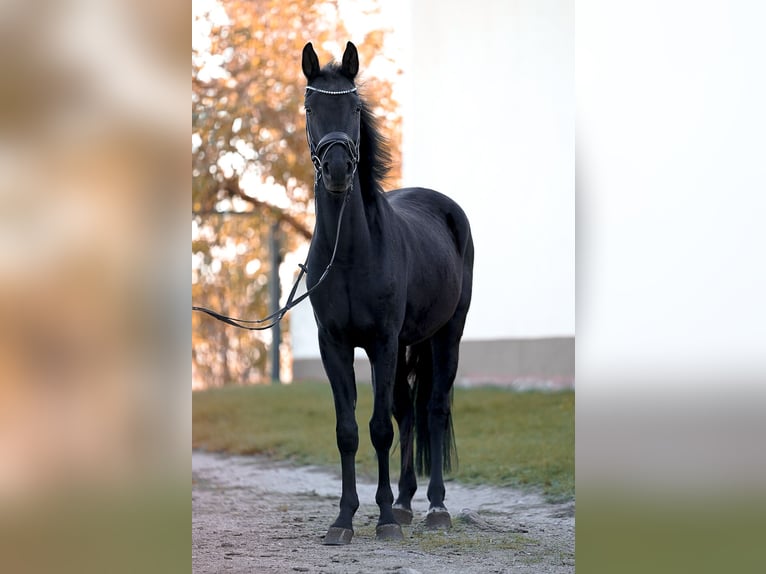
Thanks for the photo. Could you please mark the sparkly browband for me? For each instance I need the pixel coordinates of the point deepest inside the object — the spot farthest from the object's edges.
(331, 92)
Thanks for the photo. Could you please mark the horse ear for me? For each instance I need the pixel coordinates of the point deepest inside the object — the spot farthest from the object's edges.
(350, 64)
(310, 62)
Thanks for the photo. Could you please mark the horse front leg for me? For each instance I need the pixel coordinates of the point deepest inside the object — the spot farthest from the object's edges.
(384, 358)
(338, 361)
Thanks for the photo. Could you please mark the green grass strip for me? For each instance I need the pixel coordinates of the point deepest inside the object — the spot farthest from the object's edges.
(504, 438)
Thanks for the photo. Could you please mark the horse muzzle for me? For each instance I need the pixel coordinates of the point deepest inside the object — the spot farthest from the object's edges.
(337, 173)
(335, 160)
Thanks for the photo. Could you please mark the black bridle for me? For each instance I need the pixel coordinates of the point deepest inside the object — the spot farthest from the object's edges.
(319, 150)
(318, 153)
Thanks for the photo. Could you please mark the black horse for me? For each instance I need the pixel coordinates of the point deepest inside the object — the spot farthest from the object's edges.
(400, 288)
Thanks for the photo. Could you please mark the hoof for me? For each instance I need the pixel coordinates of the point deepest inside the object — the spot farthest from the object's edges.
(402, 515)
(389, 532)
(438, 519)
(337, 536)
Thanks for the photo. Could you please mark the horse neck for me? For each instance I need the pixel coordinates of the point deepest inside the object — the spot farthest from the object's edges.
(355, 235)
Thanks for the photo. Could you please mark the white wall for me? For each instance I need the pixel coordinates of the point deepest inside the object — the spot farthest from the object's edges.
(489, 120)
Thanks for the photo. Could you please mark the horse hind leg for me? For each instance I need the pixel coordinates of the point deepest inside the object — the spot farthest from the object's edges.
(445, 350)
(429, 440)
(445, 345)
(404, 414)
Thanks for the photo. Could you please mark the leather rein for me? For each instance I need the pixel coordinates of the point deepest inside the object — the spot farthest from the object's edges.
(318, 152)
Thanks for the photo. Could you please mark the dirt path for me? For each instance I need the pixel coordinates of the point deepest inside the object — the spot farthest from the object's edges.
(250, 514)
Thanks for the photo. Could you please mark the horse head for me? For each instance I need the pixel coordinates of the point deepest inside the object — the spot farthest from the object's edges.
(333, 111)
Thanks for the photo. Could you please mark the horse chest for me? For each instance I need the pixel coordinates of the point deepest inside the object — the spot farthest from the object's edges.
(356, 306)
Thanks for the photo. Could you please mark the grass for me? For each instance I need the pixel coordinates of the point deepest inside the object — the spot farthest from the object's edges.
(460, 540)
(503, 438)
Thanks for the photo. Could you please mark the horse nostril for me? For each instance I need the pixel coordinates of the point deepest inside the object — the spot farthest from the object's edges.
(349, 167)
(326, 167)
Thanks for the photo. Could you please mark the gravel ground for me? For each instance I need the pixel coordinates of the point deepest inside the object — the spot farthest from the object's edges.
(250, 514)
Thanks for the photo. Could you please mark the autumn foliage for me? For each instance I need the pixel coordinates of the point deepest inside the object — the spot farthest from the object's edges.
(249, 155)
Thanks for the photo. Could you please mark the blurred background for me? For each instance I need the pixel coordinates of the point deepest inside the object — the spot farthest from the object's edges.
(94, 432)
(671, 329)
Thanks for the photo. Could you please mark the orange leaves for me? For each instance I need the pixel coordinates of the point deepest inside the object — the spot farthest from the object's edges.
(248, 132)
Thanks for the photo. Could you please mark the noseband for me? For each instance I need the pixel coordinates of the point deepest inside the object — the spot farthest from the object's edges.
(319, 150)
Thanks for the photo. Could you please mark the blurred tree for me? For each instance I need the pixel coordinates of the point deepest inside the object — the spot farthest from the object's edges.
(249, 154)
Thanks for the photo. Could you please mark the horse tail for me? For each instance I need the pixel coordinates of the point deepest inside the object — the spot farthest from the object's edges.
(419, 362)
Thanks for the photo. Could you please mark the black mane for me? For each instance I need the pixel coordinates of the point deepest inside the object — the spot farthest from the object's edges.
(374, 155)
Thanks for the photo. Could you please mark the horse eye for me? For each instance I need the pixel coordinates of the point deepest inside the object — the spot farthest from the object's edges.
(308, 110)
